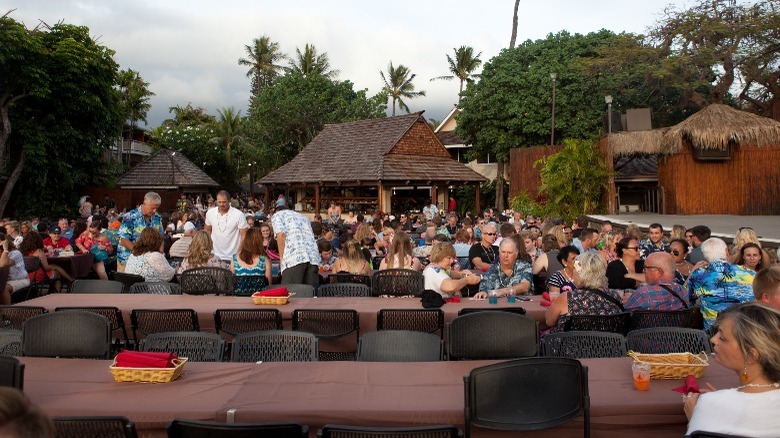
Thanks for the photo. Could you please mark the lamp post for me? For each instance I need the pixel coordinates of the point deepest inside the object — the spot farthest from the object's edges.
(251, 180)
(553, 76)
(608, 100)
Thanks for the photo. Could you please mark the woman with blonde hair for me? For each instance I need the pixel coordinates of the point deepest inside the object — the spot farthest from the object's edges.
(200, 253)
(633, 231)
(744, 236)
(560, 235)
(678, 232)
(382, 246)
(400, 255)
(352, 260)
(610, 240)
(438, 276)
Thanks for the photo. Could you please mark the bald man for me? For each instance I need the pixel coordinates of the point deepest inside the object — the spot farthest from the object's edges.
(661, 291)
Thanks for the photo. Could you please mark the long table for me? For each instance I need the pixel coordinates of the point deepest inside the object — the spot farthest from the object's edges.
(205, 305)
(357, 393)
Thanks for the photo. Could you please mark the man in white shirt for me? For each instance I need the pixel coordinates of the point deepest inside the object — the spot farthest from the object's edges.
(227, 226)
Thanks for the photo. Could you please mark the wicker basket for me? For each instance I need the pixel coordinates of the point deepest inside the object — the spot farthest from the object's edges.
(271, 300)
(149, 375)
(673, 365)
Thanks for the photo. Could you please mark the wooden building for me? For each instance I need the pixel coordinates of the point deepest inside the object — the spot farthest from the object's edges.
(390, 164)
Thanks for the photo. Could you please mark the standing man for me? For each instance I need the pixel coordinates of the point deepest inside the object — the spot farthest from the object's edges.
(298, 254)
(655, 242)
(133, 223)
(227, 226)
(430, 210)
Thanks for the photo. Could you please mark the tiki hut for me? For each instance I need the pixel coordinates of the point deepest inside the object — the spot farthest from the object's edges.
(720, 160)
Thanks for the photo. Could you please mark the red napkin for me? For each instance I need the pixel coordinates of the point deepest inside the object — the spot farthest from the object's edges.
(453, 299)
(546, 296)
(280, 291)
(691, 385)
(145, 359)
(545, 303)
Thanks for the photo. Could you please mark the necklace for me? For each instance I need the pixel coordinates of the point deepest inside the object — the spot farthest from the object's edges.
(490, 257)
(222, 221)
(759, 385)
(508, 277)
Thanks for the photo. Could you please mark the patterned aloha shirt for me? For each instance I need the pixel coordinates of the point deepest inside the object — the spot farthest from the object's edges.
(495, 278)
(132, 225)
(299, 244)
(647, 247)
(720, 285)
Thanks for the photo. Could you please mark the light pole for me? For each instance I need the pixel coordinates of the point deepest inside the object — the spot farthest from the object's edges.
(608, 100)
(553, 76)
(251, 180)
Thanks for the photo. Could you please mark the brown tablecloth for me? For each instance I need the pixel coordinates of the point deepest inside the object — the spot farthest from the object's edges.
(79, 265)
(206, 305)
(358, 393)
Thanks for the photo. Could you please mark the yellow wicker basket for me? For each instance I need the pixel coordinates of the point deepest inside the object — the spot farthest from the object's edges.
(149, 375)
(673, 365)
(271, 300)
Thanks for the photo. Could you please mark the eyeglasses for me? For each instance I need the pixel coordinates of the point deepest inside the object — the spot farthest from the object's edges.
(489, 234)
(651, 267)
(632, 247)
(675, 252)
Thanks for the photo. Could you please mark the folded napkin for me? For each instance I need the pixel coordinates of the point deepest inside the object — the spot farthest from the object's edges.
(280, 291)
(546, 296)
(453, 299)
(145, 359)
(691, 385)
(545, 303)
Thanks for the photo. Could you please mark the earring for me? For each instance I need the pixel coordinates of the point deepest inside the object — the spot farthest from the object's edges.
(744, 376)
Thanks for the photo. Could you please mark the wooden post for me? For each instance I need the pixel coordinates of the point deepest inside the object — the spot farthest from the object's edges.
(478, 203)
(317, 198)
(267, 197)
(379, 204)
(610, 162)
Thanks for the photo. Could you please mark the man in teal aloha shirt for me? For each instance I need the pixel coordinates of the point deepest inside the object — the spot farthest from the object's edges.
(134, 222)
(719, 284)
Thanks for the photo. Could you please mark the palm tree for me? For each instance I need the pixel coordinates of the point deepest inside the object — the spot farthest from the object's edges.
(228, 129)
(310, 63)
(263, 58)
(400, 85)
(134, 97)
(462, 67)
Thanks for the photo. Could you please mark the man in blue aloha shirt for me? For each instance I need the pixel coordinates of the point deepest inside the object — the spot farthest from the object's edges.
(508, 274)
(134, 222)
(720, 284)
(655, 242)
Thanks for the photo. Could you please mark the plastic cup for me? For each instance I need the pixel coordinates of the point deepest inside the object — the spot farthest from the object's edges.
(641, 373)
(493, 298)
(510, 296)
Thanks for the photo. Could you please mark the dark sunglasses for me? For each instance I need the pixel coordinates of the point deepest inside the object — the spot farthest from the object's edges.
(489, 234)
(675, 252)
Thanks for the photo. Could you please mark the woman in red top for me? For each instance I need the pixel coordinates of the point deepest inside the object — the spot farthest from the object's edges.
(92, 240)
(32, 246)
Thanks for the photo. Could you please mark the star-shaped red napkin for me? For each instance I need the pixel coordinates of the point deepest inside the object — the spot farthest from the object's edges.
(691, 385)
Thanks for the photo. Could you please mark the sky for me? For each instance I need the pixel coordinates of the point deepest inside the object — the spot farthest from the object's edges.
(188, 51)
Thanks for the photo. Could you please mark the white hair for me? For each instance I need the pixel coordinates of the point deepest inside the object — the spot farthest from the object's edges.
(714, 249)
(152, 198)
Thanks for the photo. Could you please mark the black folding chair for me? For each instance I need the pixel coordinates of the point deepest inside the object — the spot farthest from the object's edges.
(11, 373)
(338, 431)
(419, 320)
(400, 346)
(492, 335)
(180, 428)
(584, 344)
(328, 324)
(195, 346)
(73, 334)
(80, 427)
(275, 346)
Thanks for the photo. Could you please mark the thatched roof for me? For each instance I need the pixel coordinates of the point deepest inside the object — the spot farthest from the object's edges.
(717, 125)
(166, 169)
(626, 143)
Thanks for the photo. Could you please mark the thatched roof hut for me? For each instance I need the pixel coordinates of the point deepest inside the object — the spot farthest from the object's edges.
(626, 143)
(716, 126)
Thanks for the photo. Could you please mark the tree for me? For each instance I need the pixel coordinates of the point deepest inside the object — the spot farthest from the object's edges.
(310, 63)
(134, 97)
(399, 86)
(57, 92)
(462, 67)
(228, 130)
(263, 58)
(286, 116)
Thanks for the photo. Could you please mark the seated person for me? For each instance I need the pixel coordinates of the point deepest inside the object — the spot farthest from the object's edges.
(17, 276)
(400, 254)
(32, 246)
(327, 258)
(766, 286)
(180, 247)
(719, 284)
(352, 260)
(626, 272)
(592, 298)
(250, 260)
(462, 245)
(484, 253)
(661, 292)
(200, 253)
(438, 276)
(510, 276)
(566, 279)
(56, 240)
(147, 259)
(746, 343)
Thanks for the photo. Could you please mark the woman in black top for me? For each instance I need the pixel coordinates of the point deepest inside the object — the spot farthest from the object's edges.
(626, 272)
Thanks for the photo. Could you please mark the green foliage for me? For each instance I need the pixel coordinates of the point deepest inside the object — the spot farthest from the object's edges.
(467, 195)
(399, 86)
(263, 58)
(309, 62)
(67, 120)
(286, 116)
(462, 67)
(573, 179)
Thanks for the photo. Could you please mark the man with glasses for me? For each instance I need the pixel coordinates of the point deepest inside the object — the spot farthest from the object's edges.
(55, 241)
(406, 224)
(655, 242)
(485, 253)
(133, 223)
(661, 291)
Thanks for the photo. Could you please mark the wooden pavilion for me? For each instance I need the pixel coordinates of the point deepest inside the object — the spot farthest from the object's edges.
(370, 163)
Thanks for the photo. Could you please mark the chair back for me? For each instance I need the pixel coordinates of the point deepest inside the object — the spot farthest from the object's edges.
(10, 343)
(584, 345)
(686, 318)
(527, 394)
(80, 427)
(300, 290)
(246, 285)
(419, 320)
(468, 310)
(206, 280)
(329, 324)
(4, 273)
(275, 346)
(464, 262)
(397, 282)
(148, 321)
(702, 434)
(156, 288)
(180, 428)
(67, 334)
(400, 346)
(11, 373)
(663, 340)
(195, 346)
(343, 290)
(617, 323)
(13, 317)
(89, 286)
(338, 431)
(235, 321)
(492, 335)
(31, 264)
(115, 318)
(344, 277)
(126, 279)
